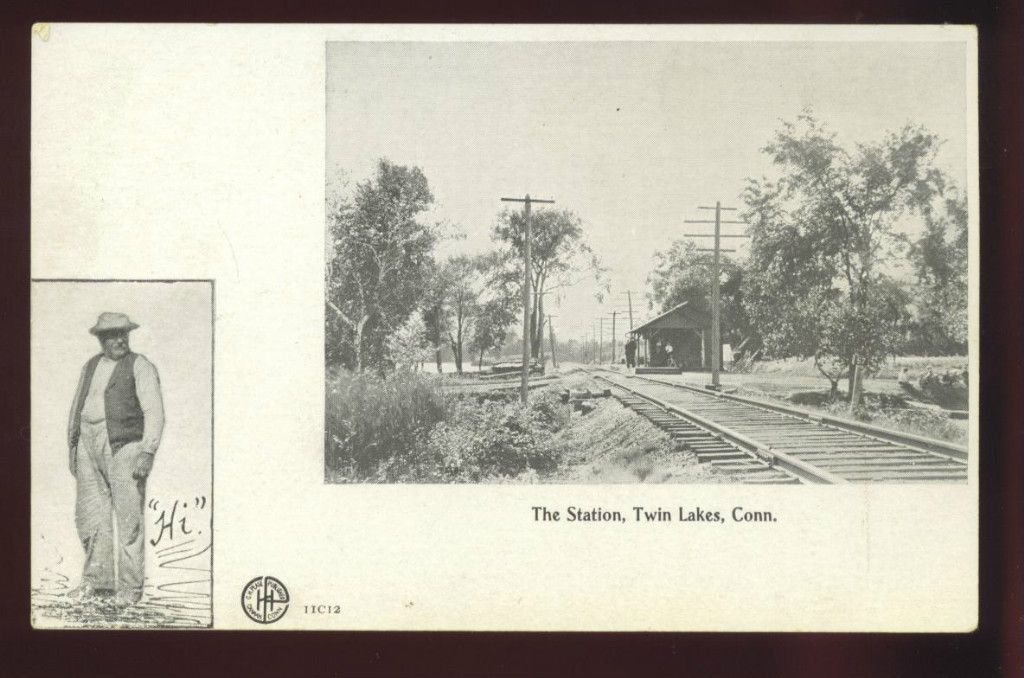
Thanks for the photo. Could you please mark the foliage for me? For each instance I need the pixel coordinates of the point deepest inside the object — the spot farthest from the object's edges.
(948, 388)
(484, 440)
(559, 256)
(921, 422)
(820, 233)
(461, 307)
(868, 331)
(408, 347)
(489, 440)
(378, 255)
(404, 428)
(373, 421)
(682, 273)
(939, 257)
(492, 323)
(433, 310)
(459, 287)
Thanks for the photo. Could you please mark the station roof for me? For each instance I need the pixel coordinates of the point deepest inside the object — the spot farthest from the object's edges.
(681, 317)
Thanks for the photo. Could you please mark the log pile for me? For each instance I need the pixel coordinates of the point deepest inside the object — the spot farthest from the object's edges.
(583, 401)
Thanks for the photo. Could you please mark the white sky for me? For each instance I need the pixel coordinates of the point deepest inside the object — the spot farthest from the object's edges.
(630, 136)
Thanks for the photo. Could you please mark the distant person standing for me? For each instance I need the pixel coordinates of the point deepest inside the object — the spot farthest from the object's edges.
(630, 352)
(114, 430)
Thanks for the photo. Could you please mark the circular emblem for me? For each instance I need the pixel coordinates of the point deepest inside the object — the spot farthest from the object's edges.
(265, 600)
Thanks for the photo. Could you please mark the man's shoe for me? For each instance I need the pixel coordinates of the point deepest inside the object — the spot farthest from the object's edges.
(87, 591)
(126, 598)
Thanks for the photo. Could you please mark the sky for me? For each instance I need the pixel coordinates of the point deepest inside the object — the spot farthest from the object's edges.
(631, 136)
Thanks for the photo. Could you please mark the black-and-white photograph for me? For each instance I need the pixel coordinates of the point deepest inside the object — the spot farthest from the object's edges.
(647, 262)
(122, 436)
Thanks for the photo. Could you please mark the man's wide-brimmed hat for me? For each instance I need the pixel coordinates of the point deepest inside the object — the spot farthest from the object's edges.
(113, 322)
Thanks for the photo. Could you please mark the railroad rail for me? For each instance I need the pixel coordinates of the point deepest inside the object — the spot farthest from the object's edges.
(762, 442)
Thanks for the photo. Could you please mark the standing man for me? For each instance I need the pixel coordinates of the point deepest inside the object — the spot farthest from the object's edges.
(630, 351)
(113, 432)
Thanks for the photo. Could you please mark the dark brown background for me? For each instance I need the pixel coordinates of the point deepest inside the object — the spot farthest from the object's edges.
(996, 648)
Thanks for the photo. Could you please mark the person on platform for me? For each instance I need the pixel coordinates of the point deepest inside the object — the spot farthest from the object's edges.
(630, 351)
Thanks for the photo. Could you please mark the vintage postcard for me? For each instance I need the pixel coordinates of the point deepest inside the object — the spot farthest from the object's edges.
(517, 327)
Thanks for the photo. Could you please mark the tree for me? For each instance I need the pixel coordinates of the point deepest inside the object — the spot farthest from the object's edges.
(462, 306)
(461, 275)
(869, 331)
(407, 347)
(497, 303)
(379, 253)
(434, 311)
(491, 328)
(822, 230)
(939, 257)
(681, 273)
(560, 257)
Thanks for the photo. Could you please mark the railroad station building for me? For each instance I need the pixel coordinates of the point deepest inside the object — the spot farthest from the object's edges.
(684, 328)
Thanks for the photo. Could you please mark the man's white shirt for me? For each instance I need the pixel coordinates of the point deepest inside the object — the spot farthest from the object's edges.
(147, 390)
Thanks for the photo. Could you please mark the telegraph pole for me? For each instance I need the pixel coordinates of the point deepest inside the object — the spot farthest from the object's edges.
(540, 333)
(613, 336)
(540, 330)
(551, 336)
(629, 297)
(524, 388)
(716, 310)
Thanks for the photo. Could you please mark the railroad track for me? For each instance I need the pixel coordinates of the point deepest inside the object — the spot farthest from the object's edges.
(765, 443)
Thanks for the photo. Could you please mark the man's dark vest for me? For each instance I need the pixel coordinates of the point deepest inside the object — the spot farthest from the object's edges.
(125, 420)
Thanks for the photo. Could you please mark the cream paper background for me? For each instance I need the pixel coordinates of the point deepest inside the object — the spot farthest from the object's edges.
(198, 152)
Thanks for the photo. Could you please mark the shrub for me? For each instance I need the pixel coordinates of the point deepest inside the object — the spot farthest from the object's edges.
(489, 440)
(947, 388)
(405, 428)
(549, 410)
(924, 423)
(373, 421)
(483, 441)
(884, 413)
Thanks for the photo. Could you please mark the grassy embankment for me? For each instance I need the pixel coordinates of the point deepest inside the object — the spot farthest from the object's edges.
(413, 427)
(916, 366)
(934, 384)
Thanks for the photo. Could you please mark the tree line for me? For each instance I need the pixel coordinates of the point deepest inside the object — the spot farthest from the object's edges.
(856, 254)
(392, 301)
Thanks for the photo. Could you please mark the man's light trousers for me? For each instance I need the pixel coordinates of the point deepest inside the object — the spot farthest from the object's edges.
(107, 491)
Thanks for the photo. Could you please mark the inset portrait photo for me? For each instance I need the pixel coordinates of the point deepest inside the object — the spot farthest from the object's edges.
(122, 438)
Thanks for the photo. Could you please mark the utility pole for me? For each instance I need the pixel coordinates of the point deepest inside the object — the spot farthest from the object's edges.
(524, 389)
(613, 336)
(540, 329)
(540, 333)
(551, 336)
(629, 297)
(716, 310)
